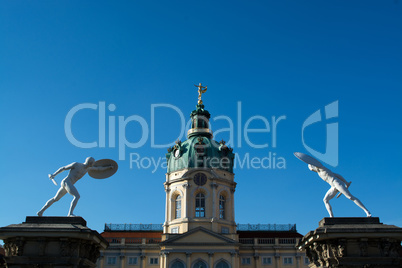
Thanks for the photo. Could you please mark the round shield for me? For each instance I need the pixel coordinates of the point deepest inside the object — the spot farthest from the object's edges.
(308, 159)
(103, 169)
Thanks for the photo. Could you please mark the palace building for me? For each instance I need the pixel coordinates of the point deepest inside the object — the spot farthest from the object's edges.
(200, 230)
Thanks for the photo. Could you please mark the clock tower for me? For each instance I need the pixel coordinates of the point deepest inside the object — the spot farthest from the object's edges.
(199, 230)
(200, 181)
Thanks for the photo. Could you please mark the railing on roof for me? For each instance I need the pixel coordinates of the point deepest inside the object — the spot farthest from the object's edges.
(158, 227)
(287, 241)
(246, 242)
(266, 227)
(132, 227)
(132, 241)
(266, 241)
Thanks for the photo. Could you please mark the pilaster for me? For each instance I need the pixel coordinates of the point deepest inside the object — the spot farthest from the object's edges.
(122, 260)
(210, 259)
(188, 259)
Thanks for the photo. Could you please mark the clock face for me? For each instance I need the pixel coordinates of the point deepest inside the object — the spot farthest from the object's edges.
(200, 179)
(176, 153)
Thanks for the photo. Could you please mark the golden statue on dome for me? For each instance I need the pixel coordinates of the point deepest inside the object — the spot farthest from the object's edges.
(201, 90)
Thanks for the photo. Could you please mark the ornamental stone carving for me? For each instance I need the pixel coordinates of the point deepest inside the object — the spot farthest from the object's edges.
(14, 247)
(363, 248)
(40, 241)
(353, 243)
(326, 254)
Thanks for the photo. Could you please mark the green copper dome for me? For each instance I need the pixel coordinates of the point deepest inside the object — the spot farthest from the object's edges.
(200, 150)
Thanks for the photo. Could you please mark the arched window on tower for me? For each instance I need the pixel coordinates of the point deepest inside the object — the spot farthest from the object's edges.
(222, 264)
(200, 264)
(194, 120)
(222, 202)
(200, 205)
(177, 264)
(178, 207)
(202, 121)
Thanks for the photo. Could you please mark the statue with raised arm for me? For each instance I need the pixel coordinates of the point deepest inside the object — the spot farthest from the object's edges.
(337, 182)
(101, 169)
(201, 90)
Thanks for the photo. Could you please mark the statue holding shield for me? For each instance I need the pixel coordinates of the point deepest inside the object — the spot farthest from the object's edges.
(100, 169)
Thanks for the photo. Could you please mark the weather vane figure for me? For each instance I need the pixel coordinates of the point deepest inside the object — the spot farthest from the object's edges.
(337, 182)
(201, 90)
(100, 169)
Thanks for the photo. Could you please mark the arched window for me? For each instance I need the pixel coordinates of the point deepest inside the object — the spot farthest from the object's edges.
(177, 264)
(200, 264)
(178, 207)
(222, 264)
(222, 202)
(200, 205)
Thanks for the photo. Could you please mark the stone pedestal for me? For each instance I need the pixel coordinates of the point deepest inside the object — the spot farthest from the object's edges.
(46, 242)
(353, 242)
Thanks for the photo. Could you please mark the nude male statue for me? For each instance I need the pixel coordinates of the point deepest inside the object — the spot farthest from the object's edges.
(338, 184)
(77, 171)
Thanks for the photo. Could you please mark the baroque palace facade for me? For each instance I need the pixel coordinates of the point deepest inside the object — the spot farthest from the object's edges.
(200, 229)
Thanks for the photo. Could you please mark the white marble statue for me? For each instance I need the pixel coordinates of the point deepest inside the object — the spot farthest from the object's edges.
(77, 171)
(338, 184)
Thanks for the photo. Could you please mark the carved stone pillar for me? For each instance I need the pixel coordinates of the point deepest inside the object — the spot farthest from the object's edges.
(214, 186)
(161, 260)
(122, 261)
(143, 260)
(232, 210)
(256, 261)
(277, 260)
(166, 258)
(186, 200)
(51, 242)
(167, 210)
(233, 259)
(352, 243)
(101, 261)
(188, 259)
(211, 259)
(298, 263)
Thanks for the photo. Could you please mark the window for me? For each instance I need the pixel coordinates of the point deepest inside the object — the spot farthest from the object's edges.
(111, 260)
(153, 260)
(306, 261)
(175, 230)
(266, 260)
(178, 207)
(200, 179)
(246, 261)
(200, 149)
(222, 207)
(132, 260)
(202, 121)
(222, 264)
(287, 260)
(200, 205)
(225, 230)
(200, 264)
(177, 264)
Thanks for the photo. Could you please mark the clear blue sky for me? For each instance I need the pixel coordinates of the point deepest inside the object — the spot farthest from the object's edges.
(275, 58)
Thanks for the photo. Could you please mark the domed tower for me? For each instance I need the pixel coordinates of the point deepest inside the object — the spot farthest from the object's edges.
(200, 181)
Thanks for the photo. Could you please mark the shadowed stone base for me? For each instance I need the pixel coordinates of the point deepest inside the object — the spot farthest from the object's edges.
(353, 242)
(46, 242)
